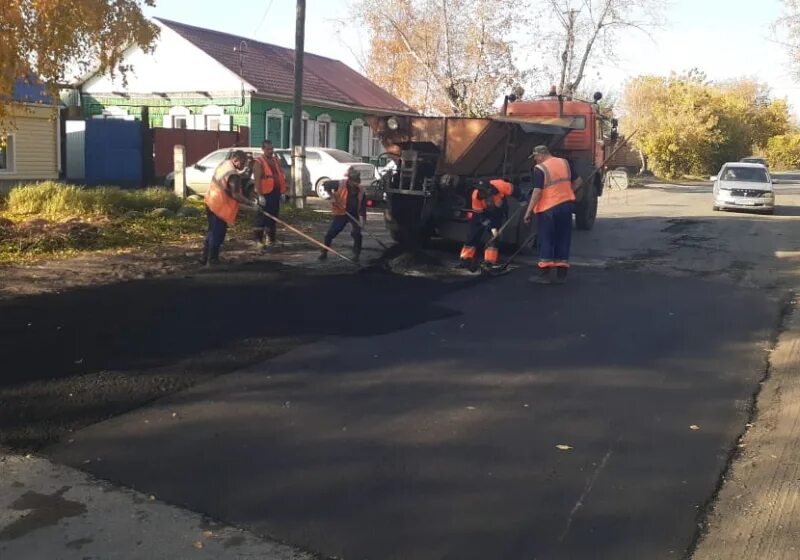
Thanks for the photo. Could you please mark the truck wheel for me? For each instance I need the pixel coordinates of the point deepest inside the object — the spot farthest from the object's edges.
(586, 209)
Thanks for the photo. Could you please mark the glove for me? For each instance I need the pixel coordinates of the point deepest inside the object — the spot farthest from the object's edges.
(261, 200)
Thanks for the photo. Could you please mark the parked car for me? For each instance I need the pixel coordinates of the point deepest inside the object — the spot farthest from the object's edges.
(325, 164)
(744, 186)
(755, 159)
(198, 175)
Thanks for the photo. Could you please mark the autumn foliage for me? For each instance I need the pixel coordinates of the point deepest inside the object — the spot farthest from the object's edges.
(689, 125)
(54, 41)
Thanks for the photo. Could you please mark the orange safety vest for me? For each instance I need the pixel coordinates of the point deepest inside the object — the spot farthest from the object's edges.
(557, 187)
(339, 199)
(218, 198)
(504, 189)
(268, 180)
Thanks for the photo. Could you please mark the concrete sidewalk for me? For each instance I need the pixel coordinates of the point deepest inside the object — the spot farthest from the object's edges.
(757, 514)
(55, 512)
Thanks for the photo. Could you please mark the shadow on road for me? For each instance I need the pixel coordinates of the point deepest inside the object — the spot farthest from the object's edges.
(439, 441)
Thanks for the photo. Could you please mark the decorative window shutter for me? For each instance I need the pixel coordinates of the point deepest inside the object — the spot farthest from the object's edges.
(332, 135)
(366, 142)
(351, 142)
(166, 121)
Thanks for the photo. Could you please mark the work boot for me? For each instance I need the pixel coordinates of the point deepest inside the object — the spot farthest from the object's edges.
(204, 257)
(561, 275)
(543, 276)
(213, 257)
(258, 237)
(323, 256)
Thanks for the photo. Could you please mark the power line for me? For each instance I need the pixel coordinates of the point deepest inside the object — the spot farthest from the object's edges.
(263, 18)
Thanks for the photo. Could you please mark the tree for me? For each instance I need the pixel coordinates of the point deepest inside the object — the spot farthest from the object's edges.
(676, 124)
(789, 23)
(584, 27)
(783, 152)
(44, 40)
(688, 125)
(449, 57)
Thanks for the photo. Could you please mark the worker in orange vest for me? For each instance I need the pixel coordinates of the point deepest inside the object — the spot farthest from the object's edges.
(552, 201)
(270, 185)
(489, 210)
(348, 198)
(223, 198)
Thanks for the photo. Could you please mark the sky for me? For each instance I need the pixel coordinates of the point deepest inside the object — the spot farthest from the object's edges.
(724, 38)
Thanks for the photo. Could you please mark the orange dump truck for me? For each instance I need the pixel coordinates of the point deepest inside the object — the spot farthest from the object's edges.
(440, 159)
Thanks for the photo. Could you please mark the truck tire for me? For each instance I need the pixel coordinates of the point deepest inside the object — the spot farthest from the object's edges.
(405, 226)
(586, 209)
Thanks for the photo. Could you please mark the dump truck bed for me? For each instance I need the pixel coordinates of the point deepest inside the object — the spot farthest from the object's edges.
(474, 147)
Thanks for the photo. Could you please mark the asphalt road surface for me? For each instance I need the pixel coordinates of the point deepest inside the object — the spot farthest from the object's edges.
(468, 419)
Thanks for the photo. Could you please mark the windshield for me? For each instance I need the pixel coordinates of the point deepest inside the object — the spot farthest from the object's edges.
(751, 174)
(342, 156)
(213, 160)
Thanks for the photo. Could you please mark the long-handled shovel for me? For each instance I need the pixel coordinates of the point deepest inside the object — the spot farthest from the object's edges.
(364, 229)
(307, 237)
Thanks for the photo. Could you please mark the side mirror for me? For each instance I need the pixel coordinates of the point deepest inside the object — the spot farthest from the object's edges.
(200, 167)
(713, 178)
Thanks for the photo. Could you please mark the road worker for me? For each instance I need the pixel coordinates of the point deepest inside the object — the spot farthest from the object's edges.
(224, 196)
(489, 211)
(269, 184)
(552, 201)
(347, 198)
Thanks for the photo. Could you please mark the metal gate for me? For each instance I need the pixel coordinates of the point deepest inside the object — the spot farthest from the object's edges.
(113, 152)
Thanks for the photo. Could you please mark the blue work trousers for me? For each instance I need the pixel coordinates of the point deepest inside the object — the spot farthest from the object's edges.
(273, 206)
(217, 228)
(338, 224)
(554, 235)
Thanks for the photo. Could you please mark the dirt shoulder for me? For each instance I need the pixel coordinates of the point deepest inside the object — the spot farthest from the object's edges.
(758, 506)
(56, 275)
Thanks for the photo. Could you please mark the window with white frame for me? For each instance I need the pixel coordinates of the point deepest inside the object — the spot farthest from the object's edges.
(324, 130)
(178, 117)
(357, 138)
(213, 117)
(274, 127)
(7, 153)
(377, 147)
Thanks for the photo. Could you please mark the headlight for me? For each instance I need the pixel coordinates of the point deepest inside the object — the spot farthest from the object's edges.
(767, 195)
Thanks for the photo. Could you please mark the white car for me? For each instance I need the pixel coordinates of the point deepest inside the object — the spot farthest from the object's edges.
(744, 186)
(198, 176)
(325, 164)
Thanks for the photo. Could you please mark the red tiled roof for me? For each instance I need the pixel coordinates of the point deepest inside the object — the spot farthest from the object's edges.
(270, 69)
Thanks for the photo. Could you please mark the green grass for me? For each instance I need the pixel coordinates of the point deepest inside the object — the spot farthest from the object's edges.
(53, 200)
(102, 221)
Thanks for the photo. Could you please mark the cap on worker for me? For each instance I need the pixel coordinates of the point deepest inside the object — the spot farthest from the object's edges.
(353, 173)
(540, 150)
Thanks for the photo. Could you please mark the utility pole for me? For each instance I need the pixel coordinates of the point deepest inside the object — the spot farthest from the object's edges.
(298, 148)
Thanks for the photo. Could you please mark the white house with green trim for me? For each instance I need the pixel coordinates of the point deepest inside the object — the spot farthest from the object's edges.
(202, 79)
